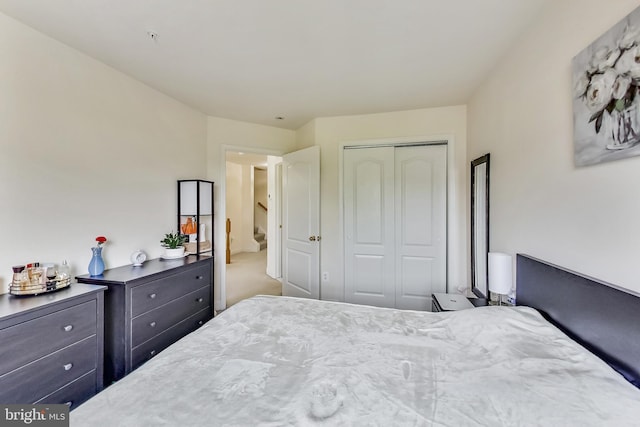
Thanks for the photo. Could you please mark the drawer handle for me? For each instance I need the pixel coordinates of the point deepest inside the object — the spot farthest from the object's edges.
(68, 328)
(199, 277)
(152, 324)
(200, 322)
(152, 296)
(68, 366)
(199, 299)
(152, 353)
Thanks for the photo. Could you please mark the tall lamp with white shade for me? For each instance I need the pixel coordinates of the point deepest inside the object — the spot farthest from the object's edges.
(500, 274)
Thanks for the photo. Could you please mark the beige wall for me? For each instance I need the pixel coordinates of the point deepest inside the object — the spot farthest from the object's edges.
(541, 204)
(260, 195)
(424, 124)
(234, 206)
(85, 151)
(306, 135)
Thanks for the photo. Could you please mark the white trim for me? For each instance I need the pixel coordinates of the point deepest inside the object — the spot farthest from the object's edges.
(394, 145)
(449, 139)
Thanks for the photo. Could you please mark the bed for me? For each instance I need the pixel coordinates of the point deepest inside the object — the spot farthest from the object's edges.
(278, 361)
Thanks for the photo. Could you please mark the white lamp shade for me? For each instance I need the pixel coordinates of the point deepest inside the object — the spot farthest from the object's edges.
(188, 203)
(500, 273)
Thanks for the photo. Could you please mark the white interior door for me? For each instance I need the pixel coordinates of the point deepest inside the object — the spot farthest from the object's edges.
(369, 232)
(395, 219)
(278, 222)
(301, 223)
(421, 225)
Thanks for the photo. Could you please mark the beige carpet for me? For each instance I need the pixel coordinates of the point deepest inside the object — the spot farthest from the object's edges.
(246, 277)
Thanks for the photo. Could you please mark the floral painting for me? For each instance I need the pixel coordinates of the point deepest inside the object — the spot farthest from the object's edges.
(606, 81)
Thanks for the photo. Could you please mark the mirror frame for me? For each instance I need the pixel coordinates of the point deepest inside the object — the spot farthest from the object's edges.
(475, 194)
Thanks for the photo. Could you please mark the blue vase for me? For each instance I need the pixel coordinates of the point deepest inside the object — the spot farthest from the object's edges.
(96, 265)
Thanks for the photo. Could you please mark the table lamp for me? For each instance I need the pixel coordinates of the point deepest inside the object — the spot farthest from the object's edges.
(500, 274)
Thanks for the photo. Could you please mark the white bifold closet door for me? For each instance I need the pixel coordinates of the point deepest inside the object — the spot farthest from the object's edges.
(395, 218)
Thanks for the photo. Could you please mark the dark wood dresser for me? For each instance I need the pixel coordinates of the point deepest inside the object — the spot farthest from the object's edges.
(150, 307)
(51, 346)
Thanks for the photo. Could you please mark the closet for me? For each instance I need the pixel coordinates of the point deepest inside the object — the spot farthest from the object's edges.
(395, 224)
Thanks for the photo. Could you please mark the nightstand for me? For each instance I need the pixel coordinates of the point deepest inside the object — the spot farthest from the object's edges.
(455, 302)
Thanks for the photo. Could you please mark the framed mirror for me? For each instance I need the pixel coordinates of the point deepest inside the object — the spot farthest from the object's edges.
(480, 225)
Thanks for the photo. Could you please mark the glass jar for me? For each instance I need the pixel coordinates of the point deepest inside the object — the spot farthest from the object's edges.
(17, 274)
(64, 270)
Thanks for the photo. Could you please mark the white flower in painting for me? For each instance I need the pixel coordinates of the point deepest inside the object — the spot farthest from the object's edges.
(603, 58)
(598, 57)
(629, 62)
(609, 59)
(621, 86)
(630, 37)
(600, 90)
(581, 84)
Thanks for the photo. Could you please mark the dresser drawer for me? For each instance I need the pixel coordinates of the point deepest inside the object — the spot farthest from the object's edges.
(151, 323)
(28, 341)
(31, 382)
(74, 393)
(149, 349)
(159, 292)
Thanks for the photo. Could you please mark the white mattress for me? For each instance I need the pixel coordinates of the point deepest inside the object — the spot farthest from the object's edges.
(278, 361)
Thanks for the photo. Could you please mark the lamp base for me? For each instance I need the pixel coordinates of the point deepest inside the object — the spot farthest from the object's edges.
(499, 299)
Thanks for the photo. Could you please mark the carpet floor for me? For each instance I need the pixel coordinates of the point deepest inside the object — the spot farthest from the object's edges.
(246, 277)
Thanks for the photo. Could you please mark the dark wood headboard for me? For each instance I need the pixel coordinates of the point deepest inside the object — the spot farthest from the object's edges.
(599, 316)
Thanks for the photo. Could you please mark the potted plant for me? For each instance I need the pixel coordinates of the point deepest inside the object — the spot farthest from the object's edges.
(172, 244)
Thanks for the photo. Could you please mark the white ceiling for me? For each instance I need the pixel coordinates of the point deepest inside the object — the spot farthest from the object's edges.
(253, 60)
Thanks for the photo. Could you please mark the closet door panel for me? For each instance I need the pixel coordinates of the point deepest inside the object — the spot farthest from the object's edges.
(368, 275)
(369, 212)
(416, 210)
(415, 275)
(369, 231)
(420, 212)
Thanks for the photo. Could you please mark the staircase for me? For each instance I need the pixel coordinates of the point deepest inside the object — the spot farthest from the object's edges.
(259, 237)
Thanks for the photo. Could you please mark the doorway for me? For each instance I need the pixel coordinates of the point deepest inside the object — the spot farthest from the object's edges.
(251, 211)
(279, 171)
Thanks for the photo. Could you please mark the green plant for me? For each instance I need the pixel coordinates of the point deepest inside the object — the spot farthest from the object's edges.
(173, 240)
